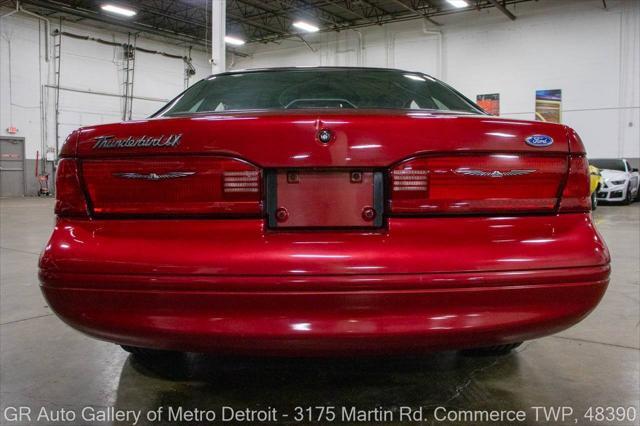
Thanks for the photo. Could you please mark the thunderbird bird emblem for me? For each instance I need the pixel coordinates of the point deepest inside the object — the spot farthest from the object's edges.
(154, 176)
(494, 173)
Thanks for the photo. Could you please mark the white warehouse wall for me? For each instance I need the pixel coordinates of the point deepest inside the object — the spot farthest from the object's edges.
(592, 54)
(589, 52)
(87, 66)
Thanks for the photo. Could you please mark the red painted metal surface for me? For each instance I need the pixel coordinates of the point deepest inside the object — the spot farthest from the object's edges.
(362, 138)
(230, 286)
(307, 323)
(244, 247)
(416, 283)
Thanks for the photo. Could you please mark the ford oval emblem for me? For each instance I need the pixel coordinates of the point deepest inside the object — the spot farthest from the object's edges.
(539, 141)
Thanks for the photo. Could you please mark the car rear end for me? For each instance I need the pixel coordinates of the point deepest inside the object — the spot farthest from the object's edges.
(312, 232)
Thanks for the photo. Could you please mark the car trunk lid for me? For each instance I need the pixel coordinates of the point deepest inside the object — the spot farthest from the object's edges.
(409, 163)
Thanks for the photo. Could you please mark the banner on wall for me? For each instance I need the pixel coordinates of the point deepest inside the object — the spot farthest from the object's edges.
(489, 102)
(548, 104)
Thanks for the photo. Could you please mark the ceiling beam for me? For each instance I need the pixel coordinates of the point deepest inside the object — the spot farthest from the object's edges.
(416, 12)
(262, 20)
(503, 9)
(378, 11)
(230, 15)
(133, 26)
(348, 10)
(252, 23)
(283, 10)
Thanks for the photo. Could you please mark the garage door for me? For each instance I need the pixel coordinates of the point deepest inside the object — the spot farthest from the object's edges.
(11, 167)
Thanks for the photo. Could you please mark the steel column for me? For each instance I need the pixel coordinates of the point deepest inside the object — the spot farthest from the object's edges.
(218, 31)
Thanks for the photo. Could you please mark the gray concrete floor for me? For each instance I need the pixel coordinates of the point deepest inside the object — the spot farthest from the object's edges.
(44, 363)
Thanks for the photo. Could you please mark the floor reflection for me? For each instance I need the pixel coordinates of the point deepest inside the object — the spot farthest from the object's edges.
(210, 382)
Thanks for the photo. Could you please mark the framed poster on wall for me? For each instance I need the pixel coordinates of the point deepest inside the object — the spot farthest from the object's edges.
(489, 102)
(548, 105)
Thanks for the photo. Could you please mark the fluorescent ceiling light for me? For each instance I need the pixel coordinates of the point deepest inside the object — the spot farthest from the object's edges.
(233, 40)
(118, 10)
(458, 3)
(305, 26)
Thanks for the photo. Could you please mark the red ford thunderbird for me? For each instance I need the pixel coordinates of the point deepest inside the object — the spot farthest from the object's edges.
(323, 211)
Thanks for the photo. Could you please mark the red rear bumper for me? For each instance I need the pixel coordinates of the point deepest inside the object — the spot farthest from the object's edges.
(201, 286)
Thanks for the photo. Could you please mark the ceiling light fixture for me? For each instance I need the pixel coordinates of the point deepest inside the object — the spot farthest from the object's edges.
(458, 3)
(233, 40)
(305, 26)
(118, 10)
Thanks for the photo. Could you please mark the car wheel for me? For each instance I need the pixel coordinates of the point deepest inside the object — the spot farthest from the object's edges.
(148, 352)
(594, 201)
(496, 350)
(628, 199)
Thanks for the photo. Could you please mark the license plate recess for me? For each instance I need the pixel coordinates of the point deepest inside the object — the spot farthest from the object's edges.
(324, 198)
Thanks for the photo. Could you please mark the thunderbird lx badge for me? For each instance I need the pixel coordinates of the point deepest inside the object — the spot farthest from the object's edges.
(111, 142)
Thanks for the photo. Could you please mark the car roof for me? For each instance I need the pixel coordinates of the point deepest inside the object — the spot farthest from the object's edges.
(316, 68)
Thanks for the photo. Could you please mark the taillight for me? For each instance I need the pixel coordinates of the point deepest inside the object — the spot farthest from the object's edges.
(576, 192)
(173, 186)
(70, 200)
(466, 184)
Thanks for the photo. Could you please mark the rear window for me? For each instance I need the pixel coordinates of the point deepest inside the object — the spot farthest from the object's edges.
(608, 164)
(318, 88)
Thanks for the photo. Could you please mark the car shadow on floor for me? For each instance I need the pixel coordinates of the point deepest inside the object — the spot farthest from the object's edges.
(205, 382)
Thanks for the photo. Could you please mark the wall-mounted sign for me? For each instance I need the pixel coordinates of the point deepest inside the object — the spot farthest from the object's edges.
(489, 102)
(548, 105)
(12, 130)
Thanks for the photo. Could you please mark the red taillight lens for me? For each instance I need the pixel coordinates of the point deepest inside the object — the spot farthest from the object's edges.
(576, 193)
(70, 200)
(173, 186)
(467, 184)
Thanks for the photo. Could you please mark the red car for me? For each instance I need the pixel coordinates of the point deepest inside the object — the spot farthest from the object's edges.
(323, 211)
